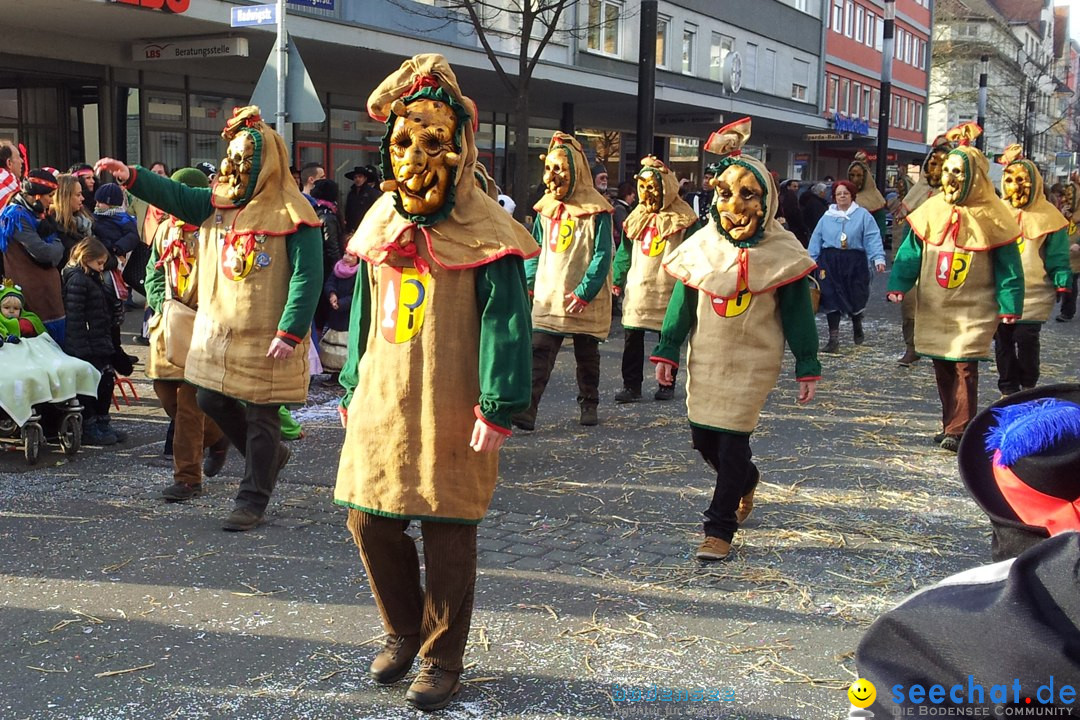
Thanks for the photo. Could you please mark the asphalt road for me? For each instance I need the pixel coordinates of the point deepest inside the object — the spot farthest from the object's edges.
(117, 605)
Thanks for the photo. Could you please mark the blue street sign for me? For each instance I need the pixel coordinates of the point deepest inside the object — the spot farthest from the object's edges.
(253, 15)
(317, 4)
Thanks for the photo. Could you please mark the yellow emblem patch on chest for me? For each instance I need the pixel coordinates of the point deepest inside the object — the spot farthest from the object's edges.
(403, 295)
(732, 307)
(563, 237)
(652, 244)
(952, 268)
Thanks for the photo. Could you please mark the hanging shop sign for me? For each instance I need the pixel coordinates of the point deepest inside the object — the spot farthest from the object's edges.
(826, 137)
(191, 49)
(845, 124)
(172, 6)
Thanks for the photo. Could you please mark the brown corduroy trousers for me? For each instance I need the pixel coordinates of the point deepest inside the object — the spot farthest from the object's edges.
(440, 614)
(193, 433)
(958, 388)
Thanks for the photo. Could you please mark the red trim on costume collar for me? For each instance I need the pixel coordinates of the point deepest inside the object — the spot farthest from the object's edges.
(1033, 507)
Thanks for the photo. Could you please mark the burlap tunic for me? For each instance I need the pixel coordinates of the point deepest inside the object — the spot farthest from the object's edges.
(168, 237)
(568, 246)
(406, 451)
(1039, 291)
(648, 284)
(232, 334)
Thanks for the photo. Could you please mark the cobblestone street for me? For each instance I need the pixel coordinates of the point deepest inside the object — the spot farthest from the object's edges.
(121, 606)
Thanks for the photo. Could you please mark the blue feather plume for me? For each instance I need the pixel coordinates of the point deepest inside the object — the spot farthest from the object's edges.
(1033, 427)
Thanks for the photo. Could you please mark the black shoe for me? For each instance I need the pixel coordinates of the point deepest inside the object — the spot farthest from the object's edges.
(588, 416)
(215, 458)
(524, 421)
(628, 395)
(395, 660)
(433, 688)
(938, 438)
(179, 492)
(121, 436)
(858, 337)
(1063, 318)
(140, 340)
(241, 519)
(833, 346)
(664, 392)
(950, 443)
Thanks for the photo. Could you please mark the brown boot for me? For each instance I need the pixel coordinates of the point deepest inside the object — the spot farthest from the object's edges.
(395, 660)
(433, 688)
(746, 505)
(713, 548)
(910, 358)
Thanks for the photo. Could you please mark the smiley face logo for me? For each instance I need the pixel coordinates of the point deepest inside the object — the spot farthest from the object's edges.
(862, 693)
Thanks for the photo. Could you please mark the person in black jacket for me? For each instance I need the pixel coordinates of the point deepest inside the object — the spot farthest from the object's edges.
(362, 195)
(90, 319)
(113, 226)
(325, 194)
(813, 205)
(789, 208)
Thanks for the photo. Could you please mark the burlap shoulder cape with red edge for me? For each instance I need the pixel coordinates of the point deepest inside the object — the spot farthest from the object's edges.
(477, 230)
(675, 214)
(583, 198)
(275, 206)
(708, 261)
(979, 221)
(868, 197)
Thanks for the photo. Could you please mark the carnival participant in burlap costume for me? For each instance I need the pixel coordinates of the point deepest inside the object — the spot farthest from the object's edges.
(742, 292)
(571, 279)
(172, 276)
(438, 363)
(1044, 253)
(928, 185)
(961, 258)
(259, 280)
(1069, 204)
(655, 227)
(867, 195)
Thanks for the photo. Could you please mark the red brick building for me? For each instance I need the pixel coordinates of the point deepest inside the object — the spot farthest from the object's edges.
(852, 84)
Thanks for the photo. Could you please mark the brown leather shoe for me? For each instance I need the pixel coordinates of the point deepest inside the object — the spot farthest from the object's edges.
(395, 660)
(910, 358)
(433, 688)
(713, 548)
(746, 506)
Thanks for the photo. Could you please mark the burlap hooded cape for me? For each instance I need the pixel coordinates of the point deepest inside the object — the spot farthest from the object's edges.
(868, 196)
(675, 214)
(474, 229)
(922, 191)
(583, 198)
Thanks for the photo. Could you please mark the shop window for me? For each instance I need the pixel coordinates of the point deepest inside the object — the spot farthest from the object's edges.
(210, 112)
(169, 148)
(355, 126)
(165, 109)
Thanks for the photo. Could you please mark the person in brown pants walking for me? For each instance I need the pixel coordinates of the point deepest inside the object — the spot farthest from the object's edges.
(439, 354)
(171, 276)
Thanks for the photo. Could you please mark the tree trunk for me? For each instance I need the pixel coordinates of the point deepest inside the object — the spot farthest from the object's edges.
(521, 189)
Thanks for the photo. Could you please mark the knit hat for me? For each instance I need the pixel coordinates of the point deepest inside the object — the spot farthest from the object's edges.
(325, 189)
(109, 194)
(1020, 460)
(8, 287)
(39, 182)
(81, 170)
(206, 168)
(191, 177)
(598, 168)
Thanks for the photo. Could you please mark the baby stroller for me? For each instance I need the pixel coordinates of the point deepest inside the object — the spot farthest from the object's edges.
(39, 379)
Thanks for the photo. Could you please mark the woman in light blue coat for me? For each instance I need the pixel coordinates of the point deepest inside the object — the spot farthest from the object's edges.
(845, 243)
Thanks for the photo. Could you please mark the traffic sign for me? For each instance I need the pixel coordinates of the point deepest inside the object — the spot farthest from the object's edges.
(301, 99)
(253, 15)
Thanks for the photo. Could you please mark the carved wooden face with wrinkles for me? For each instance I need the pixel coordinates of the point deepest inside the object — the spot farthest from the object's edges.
(1016, 185)
(740, 202)
(236, 166)
(650, 191)
(856, 176)
(419, 144)
(933, 168)
(557, 173)
(953, 178)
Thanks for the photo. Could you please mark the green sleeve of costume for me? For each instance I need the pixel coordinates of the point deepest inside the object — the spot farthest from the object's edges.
(10, 326)
(800, 328)
(678, 320)
(359, 322)
(192, 205)
(1008, 279)
(621, 265)
(505, 340)
(155, 281)
(35, 322)
(1057, 258)
(907, 265)
(291, 429)
(531, 263)
(881, 217)
(600, 265)
(305, 286)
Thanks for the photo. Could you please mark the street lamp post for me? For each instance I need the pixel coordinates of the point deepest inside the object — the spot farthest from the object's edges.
(646, 106)
(980, 142)
(886, 93)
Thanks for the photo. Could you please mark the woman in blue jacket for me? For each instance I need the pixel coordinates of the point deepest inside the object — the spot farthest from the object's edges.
(845, 243)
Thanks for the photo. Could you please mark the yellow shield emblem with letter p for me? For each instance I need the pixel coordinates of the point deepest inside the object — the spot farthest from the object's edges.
(652, 244)
(952, 268)
(561, 239)
(403, 294)
(733, 306)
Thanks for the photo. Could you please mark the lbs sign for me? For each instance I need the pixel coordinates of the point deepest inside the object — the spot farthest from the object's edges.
(172, 6)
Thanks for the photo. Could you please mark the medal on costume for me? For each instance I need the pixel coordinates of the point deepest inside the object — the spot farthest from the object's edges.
(403, 294)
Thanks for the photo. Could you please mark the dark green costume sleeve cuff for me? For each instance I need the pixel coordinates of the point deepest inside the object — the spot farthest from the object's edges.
(1057, 259)
(800, 329)
(678, 320)
(906, 265)
(600, 265)
(505, 340)
(192, 205)
(305, 286)
(1008, 280)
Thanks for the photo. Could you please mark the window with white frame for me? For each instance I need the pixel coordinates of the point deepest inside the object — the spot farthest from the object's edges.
(907, 48)
(922, 55)
(662, 25)
(849, 17)
(856, 99)
(918, 117)
(831, 89)
(767, 72)
(689, 47)
(749, 67)
(871, 19)
(800, 79)
(845, 91)
(860, 23)
(838, 15)
(879, 35)
(866, 102)
(899, 43)
(720, 44)
(875, 105)
(604, 26)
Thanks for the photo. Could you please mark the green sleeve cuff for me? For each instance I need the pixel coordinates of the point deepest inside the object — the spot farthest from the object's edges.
(800, 328)
(1057, 258)
(906, 265)
(678, 321)
(305, 286)
(505, 340)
